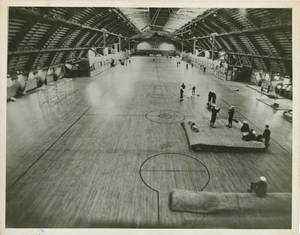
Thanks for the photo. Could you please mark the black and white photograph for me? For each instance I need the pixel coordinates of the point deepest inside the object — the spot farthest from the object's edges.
(149, 117)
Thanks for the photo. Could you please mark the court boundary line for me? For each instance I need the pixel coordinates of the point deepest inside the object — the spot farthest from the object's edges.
(157, 191)
(46, 151)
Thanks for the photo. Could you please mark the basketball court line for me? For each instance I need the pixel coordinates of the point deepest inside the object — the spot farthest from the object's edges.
(157, 191)
(47, 150)
(154, 170)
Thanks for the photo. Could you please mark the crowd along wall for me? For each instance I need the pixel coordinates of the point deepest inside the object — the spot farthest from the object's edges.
(99, 63)
(20, 84)
(215, 67)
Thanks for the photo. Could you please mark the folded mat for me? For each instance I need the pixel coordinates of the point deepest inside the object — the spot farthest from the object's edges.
(214, 202)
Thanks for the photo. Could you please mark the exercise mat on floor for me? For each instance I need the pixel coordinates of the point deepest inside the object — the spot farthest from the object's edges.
(220, 138)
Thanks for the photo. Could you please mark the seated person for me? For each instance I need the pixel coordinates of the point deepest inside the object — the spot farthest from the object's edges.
(259, 138)
(194, 127)
(249, 136)
(260, 187)
(245, 127)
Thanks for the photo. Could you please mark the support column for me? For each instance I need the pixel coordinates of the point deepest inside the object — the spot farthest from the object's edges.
(104, 39)
(120, 43)
(181, 46)
(213, 38)
(212, 50)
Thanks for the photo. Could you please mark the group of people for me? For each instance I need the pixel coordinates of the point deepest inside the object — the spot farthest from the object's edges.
(214, 110)
(211, 105)
(187, 65)
(249, 134)
(202, 67)
(123, 61)
(259, 187)
(182, 89)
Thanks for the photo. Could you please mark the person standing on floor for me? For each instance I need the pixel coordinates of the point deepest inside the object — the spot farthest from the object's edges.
(230, 116)
(187, 66)
(260, 187)
(181, 93)
(210, 95)
(267, 135)
(183, 86)
(214, 97)
(193, 90)
(213, 118)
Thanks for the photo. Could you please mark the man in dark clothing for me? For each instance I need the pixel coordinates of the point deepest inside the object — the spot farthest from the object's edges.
(187, 66)
(213, 118)
(245, 127)
(214, 97)
(193, 90)
(250, 136)
(230, 116)
(209, 100)
(266, 135)
(181, 93)
(182, 86)
(209, 96)
(260, 187)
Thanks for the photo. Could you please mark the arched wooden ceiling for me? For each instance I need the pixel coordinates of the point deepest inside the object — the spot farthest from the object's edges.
(44, 36)
(261, 38)
(39, 37)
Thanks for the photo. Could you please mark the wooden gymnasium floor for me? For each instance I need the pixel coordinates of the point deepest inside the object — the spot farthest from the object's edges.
(108, 153)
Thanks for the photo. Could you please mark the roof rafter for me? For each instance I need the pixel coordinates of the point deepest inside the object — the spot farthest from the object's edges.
(245, 31)
(197, 19)
(26, 52)
(124, 17)
(34, 13)
(261, 56)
